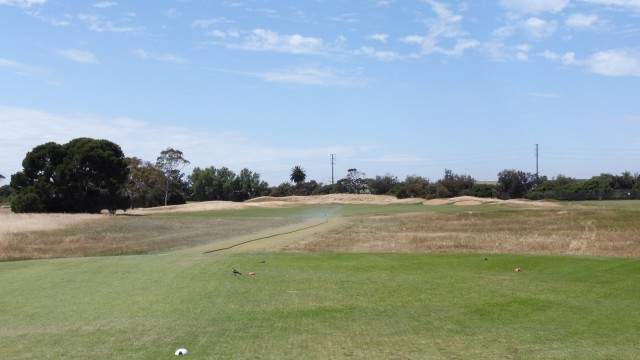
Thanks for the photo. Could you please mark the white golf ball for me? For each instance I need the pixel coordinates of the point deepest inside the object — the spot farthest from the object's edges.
(182, 352)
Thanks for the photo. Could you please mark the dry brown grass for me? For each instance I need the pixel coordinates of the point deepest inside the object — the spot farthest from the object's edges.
(520, 227)
(572, 232)
(11, 223)
(117, 235)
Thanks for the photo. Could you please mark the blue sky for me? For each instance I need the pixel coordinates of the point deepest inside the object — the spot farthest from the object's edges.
(399, 87)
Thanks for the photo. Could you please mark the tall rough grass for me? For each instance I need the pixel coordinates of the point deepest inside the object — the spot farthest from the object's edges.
(597, 232)
(56, 236)
(563, 230)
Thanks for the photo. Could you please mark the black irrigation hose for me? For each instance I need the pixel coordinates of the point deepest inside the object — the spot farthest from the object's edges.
(266, 237)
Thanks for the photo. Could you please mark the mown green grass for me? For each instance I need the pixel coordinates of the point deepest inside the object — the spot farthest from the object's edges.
(321, 306)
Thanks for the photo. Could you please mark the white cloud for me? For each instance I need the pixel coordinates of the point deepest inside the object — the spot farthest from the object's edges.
(311, 76)
(346, 18)
(614, 62)
(581, 21)
(22, 3)
(499, 51)
(413, 39)
(19, 68)
(266, 40)
(224, 34)
(207, 23)
(445, 27)
(503, 32)
(378, 54)
(172, 13)
(535, 6)
(169, 58)
(568, 58)
(79, 56)
(52, 20)
(105, 4)
(385, 3)
(538, 28)
(522, 52)
(99, 24)
(378, 37)
(617, 62)
(629, 4)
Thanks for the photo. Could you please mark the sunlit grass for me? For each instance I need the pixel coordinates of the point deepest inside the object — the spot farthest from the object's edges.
(575, 231)
(604, 230)
(321, 306)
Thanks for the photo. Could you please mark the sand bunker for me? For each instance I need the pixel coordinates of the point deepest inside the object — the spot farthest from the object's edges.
(470, 200)
(275, 202)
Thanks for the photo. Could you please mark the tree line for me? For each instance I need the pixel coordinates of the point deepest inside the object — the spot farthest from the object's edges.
(89, 175)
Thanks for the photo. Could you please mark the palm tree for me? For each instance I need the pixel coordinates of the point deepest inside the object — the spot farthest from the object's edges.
(298, 175)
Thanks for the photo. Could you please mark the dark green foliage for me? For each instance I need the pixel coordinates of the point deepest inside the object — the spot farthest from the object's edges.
(248, 185)
(480, 190)
(601, 187)
(383, 185)
(514, 184)
(298, 175)
(415, 187)
(304, 188)
(5, 192)
(284, 189)
(326, 189)
(171, 161)
(27, 201)
(211, 184)
(453, 184)
(84, 175)
(145, 186)
(223, 184)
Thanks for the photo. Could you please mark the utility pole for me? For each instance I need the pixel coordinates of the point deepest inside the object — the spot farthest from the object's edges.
(333, 162)
(537, 175)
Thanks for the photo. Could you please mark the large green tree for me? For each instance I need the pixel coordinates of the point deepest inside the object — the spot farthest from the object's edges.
(453, 184)
(84, 175)
(514, 183)
(171, 162)
(211, 183)
(382, 185)
(223, 184)
(353, 183)
(145, 185)
(249, 185)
